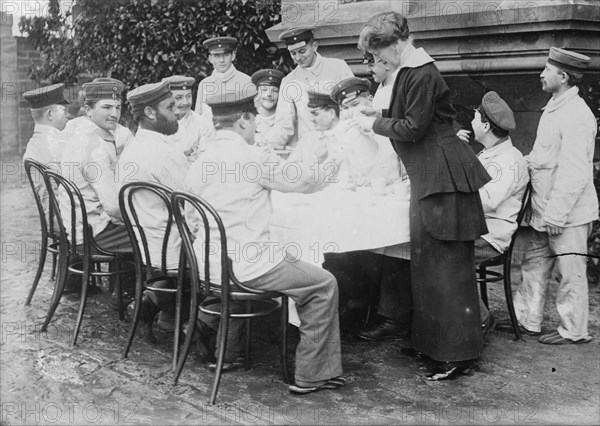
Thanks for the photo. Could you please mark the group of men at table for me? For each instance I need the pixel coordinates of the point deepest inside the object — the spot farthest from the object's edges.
(238, 120)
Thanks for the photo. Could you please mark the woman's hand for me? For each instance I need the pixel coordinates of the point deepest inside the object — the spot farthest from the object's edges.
(464, 135)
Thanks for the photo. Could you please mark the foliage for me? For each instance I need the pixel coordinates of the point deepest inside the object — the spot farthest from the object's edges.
(142, 41)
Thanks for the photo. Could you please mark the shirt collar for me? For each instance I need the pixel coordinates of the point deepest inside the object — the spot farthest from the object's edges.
(554, 104)
(229, 136)
(151, 134)
(412, 57)
(44, 128)
(505, 145)
(317, 66)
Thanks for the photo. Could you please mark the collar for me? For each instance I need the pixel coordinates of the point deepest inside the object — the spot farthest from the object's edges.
(104, 134)
(151, 134)
(502, 145)
(229, 137)
(317, 66)
(44, 128)
(554, 104)
(412, 57)
(224, 76)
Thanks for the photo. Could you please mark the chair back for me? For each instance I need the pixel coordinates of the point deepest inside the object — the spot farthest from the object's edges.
(525, 202)
(135, 225)
(56, 183)
(192, 206)
(35, 173)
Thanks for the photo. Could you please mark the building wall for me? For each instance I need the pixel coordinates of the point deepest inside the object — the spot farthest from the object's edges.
(18, 56)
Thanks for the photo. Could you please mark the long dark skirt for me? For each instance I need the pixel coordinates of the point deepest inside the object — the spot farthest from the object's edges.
(446, 323)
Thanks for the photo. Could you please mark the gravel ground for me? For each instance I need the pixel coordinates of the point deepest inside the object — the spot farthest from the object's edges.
(46, 381)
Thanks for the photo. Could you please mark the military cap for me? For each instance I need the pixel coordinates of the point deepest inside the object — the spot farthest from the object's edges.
(46, 96)
(297, 37)
(180, 82)
(267, 77)
(498, 111)
(567, 60)
(318, 99)
(232, 102)
(148, 94)
(348, 89)
(103, 88)
(220, 44)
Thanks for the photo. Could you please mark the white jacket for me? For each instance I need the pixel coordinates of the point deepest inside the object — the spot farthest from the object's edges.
(560, 164)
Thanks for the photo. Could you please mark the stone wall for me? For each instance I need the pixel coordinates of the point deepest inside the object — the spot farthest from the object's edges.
(18, 56)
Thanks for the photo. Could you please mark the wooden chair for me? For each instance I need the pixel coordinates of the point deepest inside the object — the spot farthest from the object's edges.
(147, 273)
(486, 276)
(79, 259)
(35, 171)
(219, 296)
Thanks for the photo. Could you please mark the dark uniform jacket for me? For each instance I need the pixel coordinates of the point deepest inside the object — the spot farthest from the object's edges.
(420, 125)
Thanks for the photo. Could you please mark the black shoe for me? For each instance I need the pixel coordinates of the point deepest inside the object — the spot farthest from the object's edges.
(228, 365)
(448, 371)
(148, 311)
(203, 341)
(383, 328)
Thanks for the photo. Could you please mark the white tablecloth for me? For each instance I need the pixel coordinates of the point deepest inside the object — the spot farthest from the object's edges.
(338, 220)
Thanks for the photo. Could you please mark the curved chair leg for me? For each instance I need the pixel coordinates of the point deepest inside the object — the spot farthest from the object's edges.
(189, 335)
(483, 286)
(509, 301)
(178, 303)
(284, 325)
(59, 286)
(53, 270)
(84, 288)
(139, 293)
(247, 360)
(41, 263)
(223, 330)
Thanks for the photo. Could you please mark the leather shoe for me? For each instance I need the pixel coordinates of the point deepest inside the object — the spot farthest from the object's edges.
(147, 314)
(488, 324)
(383, 328)
(202, 341)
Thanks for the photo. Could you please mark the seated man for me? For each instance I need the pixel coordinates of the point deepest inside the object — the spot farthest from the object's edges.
(90, 159)
(267, 83)
(153, 156)
(195, 131)
(502, 196)
(46, 144)
(82, 123)
(244, 205)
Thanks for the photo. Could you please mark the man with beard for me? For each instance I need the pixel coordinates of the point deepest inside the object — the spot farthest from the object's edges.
(293, 118)
(225, 78)
(195, 131)
(154, 157)
(267, 83)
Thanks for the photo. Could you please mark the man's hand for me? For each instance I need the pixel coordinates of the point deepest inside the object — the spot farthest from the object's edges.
(364, 123)
(370, 112)
(463, 135)
(553, 229)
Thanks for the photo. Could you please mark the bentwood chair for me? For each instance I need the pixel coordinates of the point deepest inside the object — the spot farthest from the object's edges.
(220, 295)
(147, 271)
(35, 173)
(486, 276)
(80, 259)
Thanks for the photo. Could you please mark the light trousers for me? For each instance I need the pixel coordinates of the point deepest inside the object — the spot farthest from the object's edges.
(564, 258)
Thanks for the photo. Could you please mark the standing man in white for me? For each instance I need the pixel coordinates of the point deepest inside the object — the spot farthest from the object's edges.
(293, 118)
(564, 204)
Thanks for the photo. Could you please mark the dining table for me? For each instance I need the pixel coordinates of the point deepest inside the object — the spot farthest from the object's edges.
(340, 219)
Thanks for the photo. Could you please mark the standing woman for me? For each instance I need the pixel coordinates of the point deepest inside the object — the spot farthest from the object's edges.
(445, 210)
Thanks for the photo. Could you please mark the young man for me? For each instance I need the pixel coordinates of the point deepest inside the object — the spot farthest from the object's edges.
(154, 156)
(564, 204)
(244, 205)
(293, 119)
(82, 123)
(225, 78)
(502, 196)
(90, 160)
(267, 83)
(195, 131)
(46, 144)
